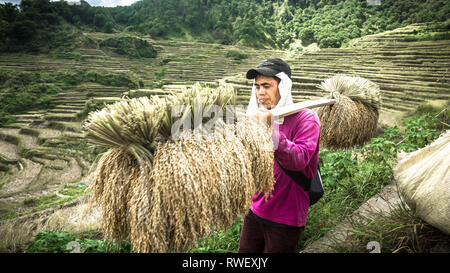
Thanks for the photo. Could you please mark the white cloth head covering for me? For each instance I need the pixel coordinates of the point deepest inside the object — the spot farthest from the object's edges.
(285, 88)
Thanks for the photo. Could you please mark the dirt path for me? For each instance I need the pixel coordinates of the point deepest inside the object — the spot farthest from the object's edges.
(22, 180)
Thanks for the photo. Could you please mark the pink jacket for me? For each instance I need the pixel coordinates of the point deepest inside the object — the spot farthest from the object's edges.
(298, 149)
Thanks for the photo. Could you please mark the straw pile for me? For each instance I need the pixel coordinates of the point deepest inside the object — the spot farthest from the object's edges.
(164, 193)
(353, 119)
(423, 179)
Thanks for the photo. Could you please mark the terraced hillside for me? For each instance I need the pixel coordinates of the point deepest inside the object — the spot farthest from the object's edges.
(408, 73)
(44, 160)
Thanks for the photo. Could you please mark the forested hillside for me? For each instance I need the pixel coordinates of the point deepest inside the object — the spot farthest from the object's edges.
(40, 25)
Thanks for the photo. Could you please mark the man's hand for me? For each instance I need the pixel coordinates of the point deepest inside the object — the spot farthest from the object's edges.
(263, 116)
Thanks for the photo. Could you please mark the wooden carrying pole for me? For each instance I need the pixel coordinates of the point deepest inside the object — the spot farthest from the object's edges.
(297, 107)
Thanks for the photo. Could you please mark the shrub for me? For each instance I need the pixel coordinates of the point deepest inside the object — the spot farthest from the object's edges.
(90, 106)
(236, 55)
(50, 242)
(58, 242)
(34, 96)
(129, 46)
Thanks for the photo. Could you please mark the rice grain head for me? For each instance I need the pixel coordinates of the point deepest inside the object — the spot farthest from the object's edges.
(117, 171)
(355, 88)
(353, 119)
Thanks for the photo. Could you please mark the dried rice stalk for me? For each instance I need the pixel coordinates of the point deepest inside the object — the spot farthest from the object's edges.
(201, 185)
(346, 123)
(356, 88)
(117, 171)
(137, 124)
(353, 119)
(132, 125)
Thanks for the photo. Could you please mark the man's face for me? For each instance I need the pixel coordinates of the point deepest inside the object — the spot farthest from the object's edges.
(267, 91)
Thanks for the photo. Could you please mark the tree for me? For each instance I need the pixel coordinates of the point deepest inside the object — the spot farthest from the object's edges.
(109, 27)
(99, 20)
(307, 35)
(23, 30)
(8, 12)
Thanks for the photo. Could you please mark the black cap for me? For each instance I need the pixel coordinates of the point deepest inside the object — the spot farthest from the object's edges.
(270, 67)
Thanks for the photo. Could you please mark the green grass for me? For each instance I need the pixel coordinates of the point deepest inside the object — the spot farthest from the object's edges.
(57, 242)
(399, 232)
(29, 205)
(89, 152)
(21, 97)
(72, 190)
(73, 55)
(90, 106)
(221, 241)
(434, 107)
(431, 36)
(236, 55)
(7, 213)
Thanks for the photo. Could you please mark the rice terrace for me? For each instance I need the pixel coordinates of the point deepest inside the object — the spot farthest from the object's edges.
(87, 96)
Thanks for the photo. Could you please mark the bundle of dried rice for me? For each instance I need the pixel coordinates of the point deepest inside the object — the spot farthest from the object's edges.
(201, 185)
(423, 179)
(353, 119)
(131, 124)
(181, 188)
(116, 173)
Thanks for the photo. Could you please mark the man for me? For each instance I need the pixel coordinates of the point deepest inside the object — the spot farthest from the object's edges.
(275, 225)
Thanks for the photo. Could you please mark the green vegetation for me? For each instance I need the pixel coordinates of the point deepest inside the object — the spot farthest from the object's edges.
(41, 25)
(428, 37)
(70, 56)
(399, 232)
(66, 193)
(29, 96)
(431, 33)
(221, 241)
(90, 106)
(236, 55)
(364, 171)
(268, 23)
(159, 75)
(57, 242)
(350, 176)
(80, 76)
(37, 27)
(22, 91)
(89, 152)
(129, 46)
